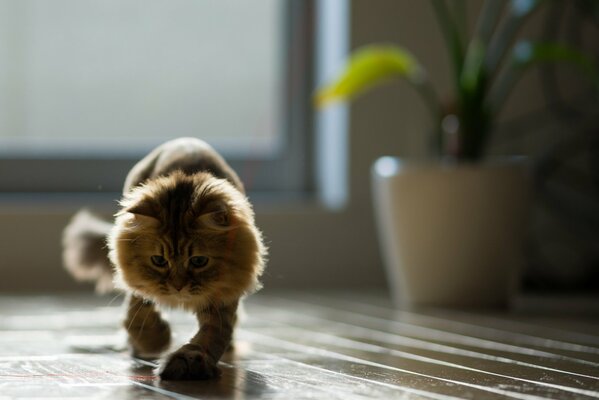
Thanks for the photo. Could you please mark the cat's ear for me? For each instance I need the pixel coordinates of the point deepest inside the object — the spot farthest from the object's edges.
(143, 207)
(217, 215)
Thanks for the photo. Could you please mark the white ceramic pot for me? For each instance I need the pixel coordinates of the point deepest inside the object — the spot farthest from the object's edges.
(451, 235)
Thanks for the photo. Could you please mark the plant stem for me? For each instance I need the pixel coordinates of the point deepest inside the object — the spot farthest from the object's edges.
(429, 95)
(501, 91)
(451, 35)
(502, 41)
(460, 13)
(431, 100)
(489, 17)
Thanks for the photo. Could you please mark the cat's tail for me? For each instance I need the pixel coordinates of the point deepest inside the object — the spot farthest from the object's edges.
(85, 253)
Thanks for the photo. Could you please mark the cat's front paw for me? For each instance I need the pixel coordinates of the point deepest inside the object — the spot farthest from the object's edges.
(188, 363)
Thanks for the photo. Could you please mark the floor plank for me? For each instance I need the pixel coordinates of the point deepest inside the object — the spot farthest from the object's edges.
(303, 345)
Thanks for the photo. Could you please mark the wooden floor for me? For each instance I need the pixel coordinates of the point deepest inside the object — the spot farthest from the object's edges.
(304, 346)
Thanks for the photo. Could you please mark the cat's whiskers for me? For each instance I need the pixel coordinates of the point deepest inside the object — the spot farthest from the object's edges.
(133, 239)
(139, 307)
(114, 298)
(143, 323)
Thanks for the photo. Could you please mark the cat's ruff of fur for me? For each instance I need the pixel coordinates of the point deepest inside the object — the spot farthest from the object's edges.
(175, 215)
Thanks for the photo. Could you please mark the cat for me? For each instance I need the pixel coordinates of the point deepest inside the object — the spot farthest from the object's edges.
(184, 237)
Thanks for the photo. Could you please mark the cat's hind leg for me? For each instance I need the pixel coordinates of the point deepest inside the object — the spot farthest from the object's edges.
(149, 334)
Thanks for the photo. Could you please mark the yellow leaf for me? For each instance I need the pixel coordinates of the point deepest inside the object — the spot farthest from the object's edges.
(366, 68)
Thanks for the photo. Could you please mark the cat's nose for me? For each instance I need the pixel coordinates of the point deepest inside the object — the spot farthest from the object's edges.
(178, 285)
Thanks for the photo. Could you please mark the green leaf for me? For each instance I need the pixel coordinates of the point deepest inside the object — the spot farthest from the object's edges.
(501, 42)
(528, 53)
(451, 34)
(473, 69)
(368, 67)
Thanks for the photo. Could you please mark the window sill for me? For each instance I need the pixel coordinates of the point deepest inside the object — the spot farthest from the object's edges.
(107, 202)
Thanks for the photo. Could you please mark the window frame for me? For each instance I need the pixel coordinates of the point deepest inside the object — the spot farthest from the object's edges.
(289, 169)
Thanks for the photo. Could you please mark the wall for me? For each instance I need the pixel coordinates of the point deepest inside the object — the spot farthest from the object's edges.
(310, 246)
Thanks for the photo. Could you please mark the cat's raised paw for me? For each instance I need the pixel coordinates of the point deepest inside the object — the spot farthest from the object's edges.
(188, 364)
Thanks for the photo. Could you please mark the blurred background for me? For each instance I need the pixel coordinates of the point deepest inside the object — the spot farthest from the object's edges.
(87, 88)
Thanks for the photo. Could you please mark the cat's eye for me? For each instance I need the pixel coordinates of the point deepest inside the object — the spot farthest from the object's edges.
(198, 261)
(159, 261)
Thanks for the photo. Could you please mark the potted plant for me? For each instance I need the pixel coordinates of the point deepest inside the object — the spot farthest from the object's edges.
(451, 231)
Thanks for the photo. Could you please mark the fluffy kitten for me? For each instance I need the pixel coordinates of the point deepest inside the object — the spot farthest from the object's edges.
(184, 237)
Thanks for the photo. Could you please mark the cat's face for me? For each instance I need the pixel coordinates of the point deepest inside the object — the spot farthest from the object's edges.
(187, 241)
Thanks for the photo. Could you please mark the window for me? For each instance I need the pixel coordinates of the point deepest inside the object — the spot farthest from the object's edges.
(89, 87)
